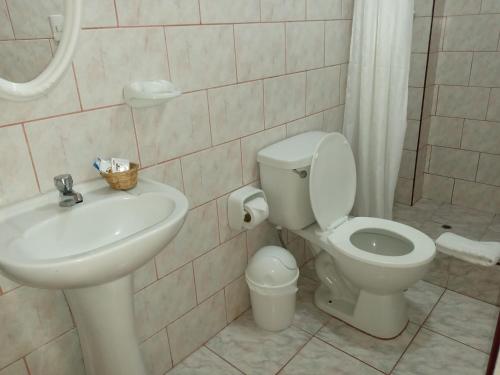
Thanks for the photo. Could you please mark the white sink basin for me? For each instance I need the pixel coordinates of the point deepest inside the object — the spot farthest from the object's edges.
(90, 251)
(108, 236)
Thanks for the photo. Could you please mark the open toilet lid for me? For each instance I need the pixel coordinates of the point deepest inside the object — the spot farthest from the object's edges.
(332, 180)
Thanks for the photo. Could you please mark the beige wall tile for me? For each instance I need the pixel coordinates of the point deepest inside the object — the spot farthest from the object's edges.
(415, 97)
(222, 11)
(337, 42)
(324, 9)
(59, 357)
(260, 50)
(481, 136)
(219, 267)
(486, 69)
(201, 56)
(182, 124)
(167, 173)
(465, 102)
(423, 8)
(7, 284)
(437, 36)
(323, 89)
(284, 99)
(478, 196)
(343, 82)
(411, 135)
(198, 235)
(307, 124)
(407, 167)
(164, 301)
(108, 59)
(29, 18)
(98, 13)
(212, 173)
(237, 298)
(417, 69)
(490, 6)
(305, 45)
(17, 368)
(144, 276)
(157, 12)
(457, 7)
(453, 68)
(446, 131)
(488, 171)
(252, 144)
(334, 119)
(283, 10)
(236, 111)
(438, 188)
(63, 98)
(78, 140)
(421, 32)
(494, 106)
(454, 163)
(347, 9)
(156, 353)
(24, 60)
(472, 33)
(5, 25)
(196, 327)
(403, 192)
(29, 318)
(225, 231)
(18, 178)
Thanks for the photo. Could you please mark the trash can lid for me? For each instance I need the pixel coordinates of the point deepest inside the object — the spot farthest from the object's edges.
(272, 266)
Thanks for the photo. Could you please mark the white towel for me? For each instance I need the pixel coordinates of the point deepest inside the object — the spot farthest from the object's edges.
(477, 252)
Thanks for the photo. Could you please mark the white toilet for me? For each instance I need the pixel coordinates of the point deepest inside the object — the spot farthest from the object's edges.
(364, 263)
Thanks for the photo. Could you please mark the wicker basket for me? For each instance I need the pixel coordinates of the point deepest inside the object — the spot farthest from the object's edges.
(123, 180)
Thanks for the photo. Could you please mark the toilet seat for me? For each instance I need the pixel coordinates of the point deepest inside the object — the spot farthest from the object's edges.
(422, 246)
(332, 188)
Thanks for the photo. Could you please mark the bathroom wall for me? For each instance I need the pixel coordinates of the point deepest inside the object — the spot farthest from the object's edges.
(420, 46)
(253, 72)
(463, 153)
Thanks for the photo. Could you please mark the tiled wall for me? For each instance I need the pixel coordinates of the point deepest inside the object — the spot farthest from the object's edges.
(463, 153)
(420, 46)
(253, 72)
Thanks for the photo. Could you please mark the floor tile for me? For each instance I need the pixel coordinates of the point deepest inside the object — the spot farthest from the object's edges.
(203, 362)
(256, 351)
(307, 316)
(309, 271)
(421, 299)
(464, 319)
(415, 215)
(467, 222)
(433, 354)
(381, 354)
(319, 358)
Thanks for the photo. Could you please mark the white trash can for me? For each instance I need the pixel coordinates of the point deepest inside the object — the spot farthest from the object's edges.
(272, 277)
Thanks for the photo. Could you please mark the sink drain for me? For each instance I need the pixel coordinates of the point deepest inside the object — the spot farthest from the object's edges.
(446, 226)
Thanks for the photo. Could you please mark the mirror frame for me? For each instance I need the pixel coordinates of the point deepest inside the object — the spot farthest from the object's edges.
(57, 67)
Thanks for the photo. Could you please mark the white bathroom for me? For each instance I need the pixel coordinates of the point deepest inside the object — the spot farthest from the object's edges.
(256, 187)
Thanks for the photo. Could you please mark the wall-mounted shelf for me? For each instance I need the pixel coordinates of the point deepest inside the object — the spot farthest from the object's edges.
(149, 93)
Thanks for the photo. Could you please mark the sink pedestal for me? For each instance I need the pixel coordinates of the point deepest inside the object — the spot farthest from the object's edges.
(104, 316)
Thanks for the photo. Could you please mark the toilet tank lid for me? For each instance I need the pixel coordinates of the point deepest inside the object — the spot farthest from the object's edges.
(291, 153)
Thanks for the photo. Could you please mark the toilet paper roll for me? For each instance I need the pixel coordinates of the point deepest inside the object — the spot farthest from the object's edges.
(258, 210)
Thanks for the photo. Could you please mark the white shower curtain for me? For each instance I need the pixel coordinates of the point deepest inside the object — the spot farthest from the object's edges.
(376, 100)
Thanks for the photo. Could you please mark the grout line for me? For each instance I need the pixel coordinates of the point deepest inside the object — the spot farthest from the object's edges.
(210, 120)
(452, 339)
(31, 158)
(26, 365)
(166, 50)
(116, 14)
(10, 19)
(416, 333)
(135, 136)
(77, 86)
(221, 357)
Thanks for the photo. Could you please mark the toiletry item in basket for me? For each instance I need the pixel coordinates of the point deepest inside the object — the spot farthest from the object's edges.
(102, 165)
(119, 165)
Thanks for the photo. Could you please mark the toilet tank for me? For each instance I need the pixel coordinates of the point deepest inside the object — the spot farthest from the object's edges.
(284, 175)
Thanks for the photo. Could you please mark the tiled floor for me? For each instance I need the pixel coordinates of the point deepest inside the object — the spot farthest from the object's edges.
(440, 339)
(448, 333)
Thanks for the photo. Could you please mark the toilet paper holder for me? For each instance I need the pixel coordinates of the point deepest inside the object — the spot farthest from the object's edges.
(238, 217)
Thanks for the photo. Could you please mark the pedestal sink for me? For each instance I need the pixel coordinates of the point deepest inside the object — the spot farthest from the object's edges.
(90, 251)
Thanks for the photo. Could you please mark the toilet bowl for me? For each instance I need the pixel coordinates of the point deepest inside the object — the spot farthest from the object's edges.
(364, 263)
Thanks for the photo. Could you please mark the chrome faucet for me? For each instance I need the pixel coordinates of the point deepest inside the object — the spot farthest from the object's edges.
(67, 197)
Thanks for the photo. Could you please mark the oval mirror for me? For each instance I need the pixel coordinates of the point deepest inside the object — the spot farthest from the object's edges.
(37, 42)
